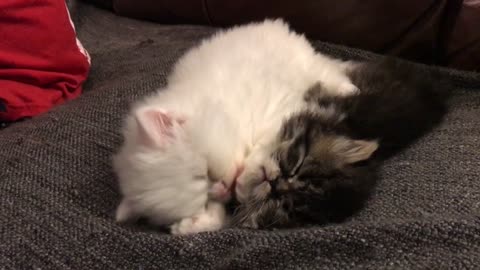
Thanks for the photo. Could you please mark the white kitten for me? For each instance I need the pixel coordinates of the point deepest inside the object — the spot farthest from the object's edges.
(155, 155)
(225, 101)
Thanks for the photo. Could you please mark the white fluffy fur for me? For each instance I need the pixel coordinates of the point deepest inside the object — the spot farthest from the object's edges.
(232, 93)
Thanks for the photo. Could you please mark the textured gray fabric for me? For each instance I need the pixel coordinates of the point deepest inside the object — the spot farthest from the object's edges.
(58, 193)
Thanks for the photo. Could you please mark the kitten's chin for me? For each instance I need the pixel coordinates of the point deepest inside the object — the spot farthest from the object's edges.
(241, 195)
(254, 189)
(261, 191)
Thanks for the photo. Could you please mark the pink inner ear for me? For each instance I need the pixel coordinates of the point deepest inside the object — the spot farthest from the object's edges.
(162, 121)
(155, 127)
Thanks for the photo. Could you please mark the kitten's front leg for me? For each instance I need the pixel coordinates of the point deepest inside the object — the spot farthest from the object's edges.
(219, 191)
(333, 74)
(222, 190)
(347, 88)
(320, 93)
(339, 85)
(212, 218)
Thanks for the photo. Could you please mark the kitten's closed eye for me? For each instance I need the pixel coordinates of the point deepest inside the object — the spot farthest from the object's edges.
(291, 159)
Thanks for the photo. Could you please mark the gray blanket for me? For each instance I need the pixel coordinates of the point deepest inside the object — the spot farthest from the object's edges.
(58, 193)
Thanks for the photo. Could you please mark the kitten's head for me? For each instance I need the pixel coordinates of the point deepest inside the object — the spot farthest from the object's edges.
(156, 162)
(322, 176)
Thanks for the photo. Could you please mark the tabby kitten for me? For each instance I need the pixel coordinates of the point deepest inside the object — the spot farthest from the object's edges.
(323, 165)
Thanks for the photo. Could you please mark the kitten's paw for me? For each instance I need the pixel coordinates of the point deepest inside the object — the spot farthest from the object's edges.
(212, 219)
(347, 88)
(220, 192)
(185, 226)
(196, 224)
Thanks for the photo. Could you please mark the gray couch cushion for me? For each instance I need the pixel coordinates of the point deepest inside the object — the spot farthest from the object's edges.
(58, 192)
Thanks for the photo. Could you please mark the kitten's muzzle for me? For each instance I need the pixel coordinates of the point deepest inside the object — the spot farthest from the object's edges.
(280, 185)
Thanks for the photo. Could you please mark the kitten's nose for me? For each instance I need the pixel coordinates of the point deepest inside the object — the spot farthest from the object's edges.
(273, 185)
(283, 185)
(280, 185)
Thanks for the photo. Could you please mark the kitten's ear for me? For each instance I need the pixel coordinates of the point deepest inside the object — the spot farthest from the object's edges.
(156, 127)
(352, 151)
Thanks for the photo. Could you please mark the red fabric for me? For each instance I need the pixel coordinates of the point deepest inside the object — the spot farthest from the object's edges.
(41, 62)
